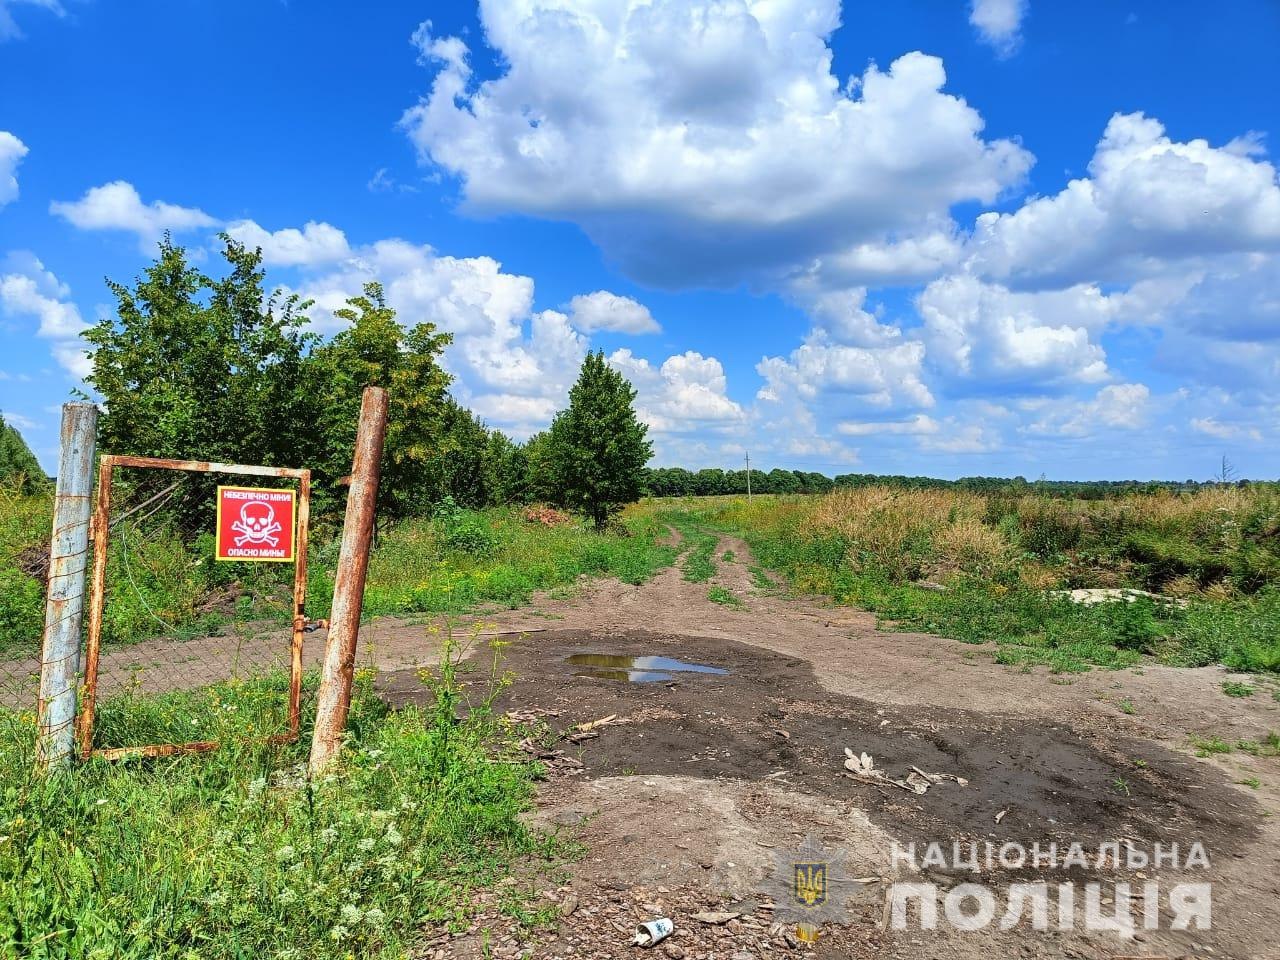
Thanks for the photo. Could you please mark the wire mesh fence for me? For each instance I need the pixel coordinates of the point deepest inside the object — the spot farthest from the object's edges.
(24, 578)
(192, 652)
(20, 678)
(221, 658)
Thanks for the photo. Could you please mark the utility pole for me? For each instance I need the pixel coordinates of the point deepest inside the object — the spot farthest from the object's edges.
(748, 476)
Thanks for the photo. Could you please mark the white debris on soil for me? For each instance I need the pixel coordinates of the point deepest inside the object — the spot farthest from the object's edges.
(600, 923)
(917, 781)
(1091, 595)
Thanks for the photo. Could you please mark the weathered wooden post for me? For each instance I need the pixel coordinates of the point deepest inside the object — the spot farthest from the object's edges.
(64, 604)
(334, 699)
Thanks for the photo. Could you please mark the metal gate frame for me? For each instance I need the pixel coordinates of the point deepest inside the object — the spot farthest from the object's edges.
(99, 533)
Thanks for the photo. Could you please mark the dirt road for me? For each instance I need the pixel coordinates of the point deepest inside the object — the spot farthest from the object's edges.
(711, 780)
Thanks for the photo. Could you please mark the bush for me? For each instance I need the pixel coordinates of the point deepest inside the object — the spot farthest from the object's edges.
(21, 611)
(463, 530)
(1048, 528)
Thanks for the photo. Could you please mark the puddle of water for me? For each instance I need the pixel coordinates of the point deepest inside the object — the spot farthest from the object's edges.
(636, 669)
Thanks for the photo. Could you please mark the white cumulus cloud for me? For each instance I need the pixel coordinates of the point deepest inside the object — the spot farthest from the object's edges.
(603, 310)
(987, 334)
(848, 377)
(1211, 426)
(920, 424)
(688, 392)
(117, 206)
(1148, 202)
(999, 23)
(1118, 406)
(705, 141)
(28, 291)
(12, 150)
(316, 243)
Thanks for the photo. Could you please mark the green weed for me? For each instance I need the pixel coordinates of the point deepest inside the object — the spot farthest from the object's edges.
(1268, 746)
(234, 854)
(698, 565)
(1234, 688)
(1208, 746)
(725, 598)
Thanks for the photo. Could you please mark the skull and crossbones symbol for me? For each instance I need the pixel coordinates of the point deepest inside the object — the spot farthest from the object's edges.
(257, 524)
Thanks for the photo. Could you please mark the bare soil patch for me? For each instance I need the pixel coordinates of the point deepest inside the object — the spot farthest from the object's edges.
(768, 717)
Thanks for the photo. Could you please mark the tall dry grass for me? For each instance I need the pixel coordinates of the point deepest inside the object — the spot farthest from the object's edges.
(1222, 540)
(910, 533)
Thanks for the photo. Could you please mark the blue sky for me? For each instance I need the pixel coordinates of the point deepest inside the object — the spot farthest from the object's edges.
(997, 237)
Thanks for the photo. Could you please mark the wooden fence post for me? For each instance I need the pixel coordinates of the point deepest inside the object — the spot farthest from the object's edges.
(64, 603)
(334, 698)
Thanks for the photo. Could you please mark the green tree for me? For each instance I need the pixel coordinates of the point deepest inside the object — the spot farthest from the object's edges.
(19, 469)
(506, 470)
(376, 350)
(597, 447)
(198, 368)
(540, 482)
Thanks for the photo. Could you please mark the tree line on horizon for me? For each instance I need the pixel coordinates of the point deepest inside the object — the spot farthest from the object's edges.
(708, 482)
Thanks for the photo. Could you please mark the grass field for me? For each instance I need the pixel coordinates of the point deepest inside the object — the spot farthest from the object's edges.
(451, 563)
(988, 568)
(233, 854)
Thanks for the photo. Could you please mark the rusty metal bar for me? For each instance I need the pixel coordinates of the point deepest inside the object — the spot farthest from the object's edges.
(64, 602)
(202, 466)
(156, 750)
(101, 536)
(300, 623)
(333, 702)
(97, 598)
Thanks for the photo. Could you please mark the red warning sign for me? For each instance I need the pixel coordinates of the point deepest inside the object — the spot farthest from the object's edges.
(255, 524)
